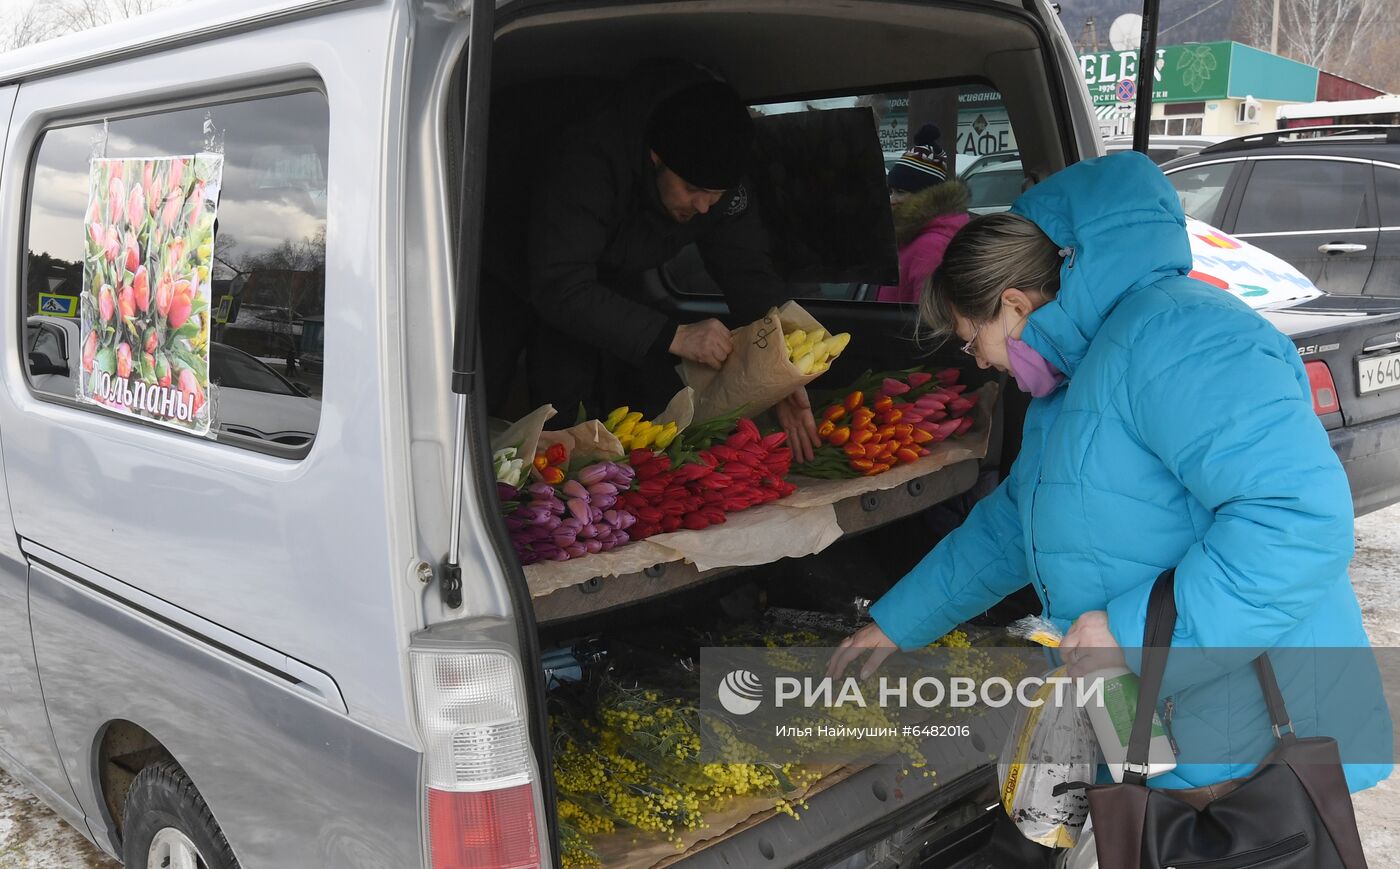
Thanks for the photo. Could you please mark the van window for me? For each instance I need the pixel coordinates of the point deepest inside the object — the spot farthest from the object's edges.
(267, 282)
(974, 134)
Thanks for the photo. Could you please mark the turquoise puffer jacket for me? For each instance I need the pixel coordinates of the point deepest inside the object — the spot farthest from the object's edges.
(1184, 436)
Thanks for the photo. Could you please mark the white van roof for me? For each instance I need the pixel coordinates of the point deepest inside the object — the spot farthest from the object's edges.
(163, 28)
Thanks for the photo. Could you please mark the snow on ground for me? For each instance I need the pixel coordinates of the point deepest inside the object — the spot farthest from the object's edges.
(31, 837)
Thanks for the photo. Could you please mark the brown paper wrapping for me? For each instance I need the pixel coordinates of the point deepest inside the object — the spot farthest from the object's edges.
(758, 374)
(524, 433)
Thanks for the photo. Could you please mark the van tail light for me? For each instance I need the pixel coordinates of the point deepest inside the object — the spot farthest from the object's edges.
(479, 769)
(1324, 391)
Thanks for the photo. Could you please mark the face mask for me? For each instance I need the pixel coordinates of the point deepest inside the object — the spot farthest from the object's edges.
(1033, 374)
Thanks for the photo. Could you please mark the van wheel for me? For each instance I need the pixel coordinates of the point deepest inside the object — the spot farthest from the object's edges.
(169, 826)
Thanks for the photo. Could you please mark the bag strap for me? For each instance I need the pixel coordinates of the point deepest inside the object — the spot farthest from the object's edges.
(1273, 698)
(1156, 644)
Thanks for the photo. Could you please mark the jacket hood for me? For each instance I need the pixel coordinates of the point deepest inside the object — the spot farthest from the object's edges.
(1119, 225)
(913, 214)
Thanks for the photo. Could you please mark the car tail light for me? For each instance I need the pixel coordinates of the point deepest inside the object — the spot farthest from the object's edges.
(1324, 391)
(479, 768)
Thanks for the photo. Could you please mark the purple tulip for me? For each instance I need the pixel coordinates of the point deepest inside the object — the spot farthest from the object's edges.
(593, 546)
(575, 489)
(622, 476)
(593, 474)
(572, 524)
(578, 508)
(514, 523)
(576, 549)
(619, 537)
(603, 502)
(588, 532)
(506, 492)
(553, 505)
(625, 520)
(533, 513)
(595, 514)
(610, 517)
(564, 538)
(602, 489)
(542, 491)
(551, 522)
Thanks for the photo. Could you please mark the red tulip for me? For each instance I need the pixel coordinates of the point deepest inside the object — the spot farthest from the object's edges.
(116, 198)
(112, 243)
(151, 344)
(123, 360)
(180, 304)
(89, 351)
(141, 285)
(163, 296)
(126, 300)
(106, 303)
(150, 362)
(190, 389)
(162, 370)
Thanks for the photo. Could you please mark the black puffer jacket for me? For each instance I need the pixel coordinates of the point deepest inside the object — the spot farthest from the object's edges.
(597, 217)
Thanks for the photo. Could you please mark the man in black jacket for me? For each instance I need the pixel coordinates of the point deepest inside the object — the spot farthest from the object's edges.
(661, 166)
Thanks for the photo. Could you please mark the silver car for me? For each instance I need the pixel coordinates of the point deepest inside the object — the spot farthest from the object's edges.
(303, 641)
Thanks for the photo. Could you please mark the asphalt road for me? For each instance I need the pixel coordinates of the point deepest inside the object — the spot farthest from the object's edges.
(31, 837)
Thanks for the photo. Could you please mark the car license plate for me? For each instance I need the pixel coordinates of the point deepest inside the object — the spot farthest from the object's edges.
(1374, 373)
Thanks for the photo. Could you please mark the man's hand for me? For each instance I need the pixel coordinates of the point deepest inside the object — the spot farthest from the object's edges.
(868, 639)
(1089, 645)
(795, 417)
(706, 342)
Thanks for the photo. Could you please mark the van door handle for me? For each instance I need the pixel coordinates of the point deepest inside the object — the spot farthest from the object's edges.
(1338, 247)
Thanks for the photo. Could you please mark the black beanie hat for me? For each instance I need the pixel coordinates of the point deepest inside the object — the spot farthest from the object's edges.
(923, 165)
(704, 134)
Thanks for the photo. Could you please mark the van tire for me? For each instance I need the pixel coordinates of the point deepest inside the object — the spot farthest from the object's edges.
(162, 797)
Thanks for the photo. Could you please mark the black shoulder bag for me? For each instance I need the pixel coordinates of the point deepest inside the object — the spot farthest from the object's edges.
(1294, 811)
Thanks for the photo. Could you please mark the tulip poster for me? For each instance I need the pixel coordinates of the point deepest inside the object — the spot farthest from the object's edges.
(145, 301)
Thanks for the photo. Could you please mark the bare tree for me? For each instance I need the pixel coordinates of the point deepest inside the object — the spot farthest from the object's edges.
(39, 20)
(1336, 35)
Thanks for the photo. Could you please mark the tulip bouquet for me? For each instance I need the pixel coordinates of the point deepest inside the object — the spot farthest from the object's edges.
(549, 523)
(552, 464)
(145, 300)
(510, 468)
(635, 433)
(869, 433)
(705, 477)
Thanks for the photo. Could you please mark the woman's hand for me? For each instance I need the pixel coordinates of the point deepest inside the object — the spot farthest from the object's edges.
(795, 418)
(869, 638)
(1089, 645)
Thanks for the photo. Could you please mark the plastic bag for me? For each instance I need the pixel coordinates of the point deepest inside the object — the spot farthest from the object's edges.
(1048, 745)
(1037, 630)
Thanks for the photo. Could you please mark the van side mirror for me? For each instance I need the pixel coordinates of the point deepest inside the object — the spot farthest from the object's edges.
(40, 363)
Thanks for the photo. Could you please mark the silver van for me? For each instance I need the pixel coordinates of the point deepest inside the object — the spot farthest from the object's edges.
(302, 640)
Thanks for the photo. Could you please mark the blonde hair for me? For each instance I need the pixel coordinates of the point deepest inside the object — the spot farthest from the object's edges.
(988, 255)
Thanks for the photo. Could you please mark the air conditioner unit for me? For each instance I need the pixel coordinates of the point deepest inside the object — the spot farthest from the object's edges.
(1249, 111)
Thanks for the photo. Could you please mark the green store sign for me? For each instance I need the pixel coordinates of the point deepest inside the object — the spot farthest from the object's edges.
(1184, 73)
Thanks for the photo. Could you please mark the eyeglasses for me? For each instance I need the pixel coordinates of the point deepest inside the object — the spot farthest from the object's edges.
(968, 348)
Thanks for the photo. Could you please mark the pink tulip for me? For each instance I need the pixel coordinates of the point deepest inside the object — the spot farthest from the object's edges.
(198, 196)
(177, 251)
(919, 378)
(94, 213)
(151, 344)
(96, 233)
(163, 296)
(173, 201)
(126, 300)
(150, 362)
(177, 177)
(117, 168)
(136, 206)
(106, 303)
(123, 360)
(112, 243)
(116, 198)
(148, 186)
(89, 351)
(190, 389)
(141, 286)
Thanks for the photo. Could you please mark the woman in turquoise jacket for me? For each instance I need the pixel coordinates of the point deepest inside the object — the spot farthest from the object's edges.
(1171, 426)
